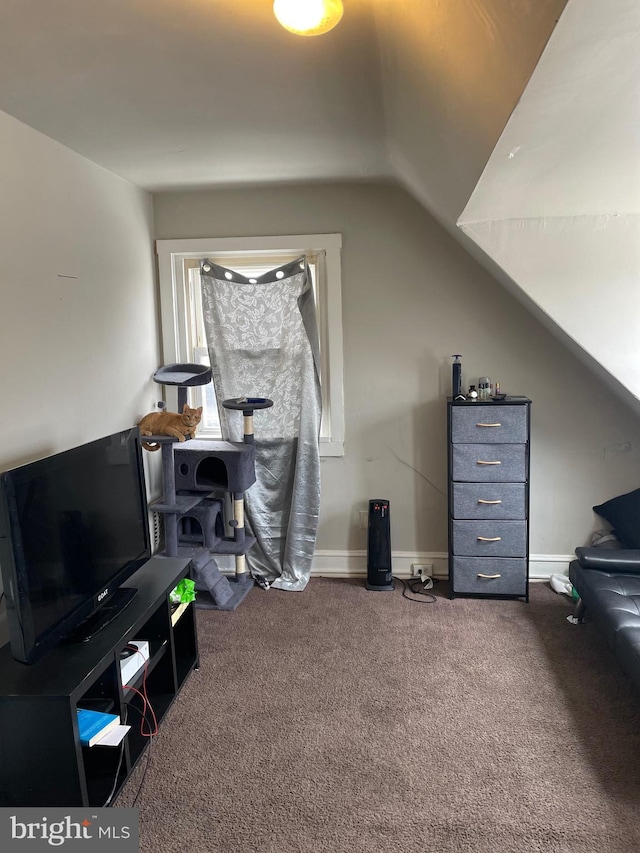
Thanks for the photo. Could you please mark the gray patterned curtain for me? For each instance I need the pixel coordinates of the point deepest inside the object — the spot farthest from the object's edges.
(263, 342)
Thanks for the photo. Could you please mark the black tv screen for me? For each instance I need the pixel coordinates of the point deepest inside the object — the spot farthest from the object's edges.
(73, 528)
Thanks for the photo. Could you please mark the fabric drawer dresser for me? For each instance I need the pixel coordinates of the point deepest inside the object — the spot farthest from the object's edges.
(489, 497)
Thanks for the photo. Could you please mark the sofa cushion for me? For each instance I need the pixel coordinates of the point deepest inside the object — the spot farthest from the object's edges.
(623, 514)
(611, 599)
(627, 648)
(616, 561)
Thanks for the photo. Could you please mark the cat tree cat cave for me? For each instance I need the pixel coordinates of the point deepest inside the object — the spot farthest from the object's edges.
(203, 495)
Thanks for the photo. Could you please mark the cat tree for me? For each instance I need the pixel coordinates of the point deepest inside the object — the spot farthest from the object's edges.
(204, 483)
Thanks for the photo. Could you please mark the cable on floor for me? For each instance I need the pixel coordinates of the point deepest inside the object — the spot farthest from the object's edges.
(417, 587)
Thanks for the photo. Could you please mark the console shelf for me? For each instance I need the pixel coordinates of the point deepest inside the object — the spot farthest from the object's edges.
(42, 762)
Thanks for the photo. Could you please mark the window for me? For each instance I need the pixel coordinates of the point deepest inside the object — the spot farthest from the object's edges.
(181, 311)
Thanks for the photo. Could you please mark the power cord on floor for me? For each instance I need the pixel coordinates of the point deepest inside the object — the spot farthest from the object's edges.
(420, 588)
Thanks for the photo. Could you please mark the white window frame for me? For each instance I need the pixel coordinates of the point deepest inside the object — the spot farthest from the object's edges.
(172, 255)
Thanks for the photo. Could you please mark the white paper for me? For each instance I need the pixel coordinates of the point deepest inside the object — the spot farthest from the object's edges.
(113, 737)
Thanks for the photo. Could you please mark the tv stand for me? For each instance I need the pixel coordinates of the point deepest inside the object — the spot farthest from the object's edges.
(42, 762)
(101, 617)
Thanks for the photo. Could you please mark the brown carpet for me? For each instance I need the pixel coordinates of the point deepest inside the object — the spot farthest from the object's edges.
(339, 720)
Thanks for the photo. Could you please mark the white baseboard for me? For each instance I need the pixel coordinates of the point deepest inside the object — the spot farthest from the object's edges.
(353, 564)
(542, 566)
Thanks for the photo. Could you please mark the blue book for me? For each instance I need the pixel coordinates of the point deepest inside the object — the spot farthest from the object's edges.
(93, 725)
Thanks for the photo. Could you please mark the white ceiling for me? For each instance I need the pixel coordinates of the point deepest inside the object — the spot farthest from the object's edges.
(180, 93)
(204, 93)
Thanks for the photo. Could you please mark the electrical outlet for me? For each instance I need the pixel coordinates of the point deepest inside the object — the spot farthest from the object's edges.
(422, 570)
(364, 519)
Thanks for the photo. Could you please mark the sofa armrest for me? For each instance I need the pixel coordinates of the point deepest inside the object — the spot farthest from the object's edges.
(610, 559)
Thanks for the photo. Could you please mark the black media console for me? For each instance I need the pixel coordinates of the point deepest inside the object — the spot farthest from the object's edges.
(42, 762)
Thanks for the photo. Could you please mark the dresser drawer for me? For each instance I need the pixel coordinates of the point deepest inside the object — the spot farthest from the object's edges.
(492, 463)
(489, 500)
(489, 538)
(480, 424)
(482, 576)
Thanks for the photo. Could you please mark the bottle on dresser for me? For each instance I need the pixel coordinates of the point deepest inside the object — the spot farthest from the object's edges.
(484, 388)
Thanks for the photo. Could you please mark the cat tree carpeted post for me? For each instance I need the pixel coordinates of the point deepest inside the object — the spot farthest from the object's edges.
(238, 530)
(169, 497)
(246, 405)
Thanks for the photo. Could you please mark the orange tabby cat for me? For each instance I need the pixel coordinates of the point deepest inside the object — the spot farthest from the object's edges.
(170, 423)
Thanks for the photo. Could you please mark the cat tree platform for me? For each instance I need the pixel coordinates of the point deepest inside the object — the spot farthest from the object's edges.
(184, 376)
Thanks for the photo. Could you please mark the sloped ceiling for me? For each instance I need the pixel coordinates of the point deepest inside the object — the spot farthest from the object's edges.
(558, 206)
(452, 72)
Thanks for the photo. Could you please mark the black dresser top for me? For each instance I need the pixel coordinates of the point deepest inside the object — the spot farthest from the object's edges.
(509, 400)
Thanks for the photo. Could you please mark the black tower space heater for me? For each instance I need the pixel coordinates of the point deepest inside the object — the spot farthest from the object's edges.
(379, 574)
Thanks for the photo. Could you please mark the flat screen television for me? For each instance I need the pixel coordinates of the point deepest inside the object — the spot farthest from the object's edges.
(73, 528)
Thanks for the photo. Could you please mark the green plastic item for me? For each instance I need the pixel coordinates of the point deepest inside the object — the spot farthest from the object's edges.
(184, 592)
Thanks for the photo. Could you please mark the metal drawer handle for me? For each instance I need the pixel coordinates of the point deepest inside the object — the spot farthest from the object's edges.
(488, 425)
(483, 462)
(489, 538)
(480, 501)
(489, 577)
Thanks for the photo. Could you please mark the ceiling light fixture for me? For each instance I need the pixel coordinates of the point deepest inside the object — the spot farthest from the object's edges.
(308, 17)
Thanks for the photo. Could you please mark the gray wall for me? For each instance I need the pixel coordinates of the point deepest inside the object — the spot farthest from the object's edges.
(78, 322)
(411, 297)
(78, 325)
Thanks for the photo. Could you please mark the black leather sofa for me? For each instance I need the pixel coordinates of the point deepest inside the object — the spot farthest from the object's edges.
(608, 583)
